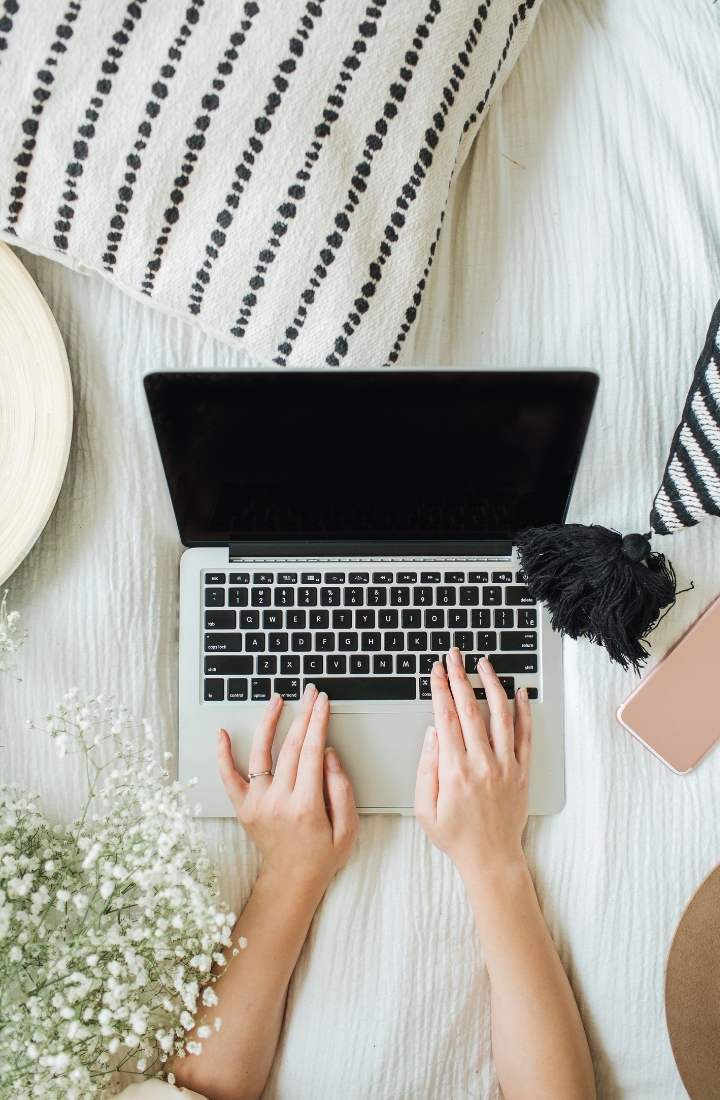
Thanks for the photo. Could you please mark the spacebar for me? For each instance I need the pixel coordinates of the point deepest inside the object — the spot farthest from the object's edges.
(365, 687)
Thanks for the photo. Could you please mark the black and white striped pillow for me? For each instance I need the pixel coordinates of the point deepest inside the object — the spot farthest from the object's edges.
(276, 170)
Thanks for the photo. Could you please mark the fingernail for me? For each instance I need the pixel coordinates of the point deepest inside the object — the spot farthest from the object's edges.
(438, 668)
(454, 656)
(322, 699)
(274, 700)
(309, 691)
(484, 664)
(520, 692)
(332, 759)
(222, 733)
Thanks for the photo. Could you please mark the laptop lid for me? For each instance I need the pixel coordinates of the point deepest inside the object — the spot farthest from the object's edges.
(410, 461)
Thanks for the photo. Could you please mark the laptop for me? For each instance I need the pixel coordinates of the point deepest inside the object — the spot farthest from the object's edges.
(345, 528)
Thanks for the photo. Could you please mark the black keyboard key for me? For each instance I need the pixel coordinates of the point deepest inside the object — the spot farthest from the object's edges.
(249, 620)
(214, 691)
(263, 578)
(310, 578)
(359, 578)
(284, 597)
(277, 642)
(502, 577)
(486, 640)
(429, 578)
(255, 643)
(354, 596)
(331, 597)
(295, 619)
(371, 641)
(239, 578)
(376, 597)
(223, 643)
(411, 619)
(454, 578)
(313, 665)
(446, 595)
(219, 620)
(521, 576)
(319, 620)
(214, 578)
(359, 664)
(301, 641)
(336, 664)
(471, 662)
(237, 691)
(514, 662)
(440, 639)
(348, 642)
(261, 597)
(367, 687)
(228, 666)
(480, 693)
(334, 578)
(504, 618)
(469, 595)
(425, 690)
(527, 616)
(272, 620)
(307, 597)
(400, 597)
(515, 595)
(427, 660)
(513, 640)
(386, 620)
(290, 665)
(463, 639)
(237, 597)
(287, 687)
(406, 578)
(480, 619)
(214, 597)
(417, 641)
(342, 620)
(422, 597)
(394, 641)
(266, 665)
(532, 693)
(287, 578)
(435, 618)
(478, 578)
(365, 619)
(382, 663)
(325, 641)
(457, 618)
(260, 688)
(405, 663)
(508, 682)
(492, 595)
(382, 578)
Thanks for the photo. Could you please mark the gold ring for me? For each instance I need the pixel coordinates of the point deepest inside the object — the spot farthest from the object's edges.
(256, 775)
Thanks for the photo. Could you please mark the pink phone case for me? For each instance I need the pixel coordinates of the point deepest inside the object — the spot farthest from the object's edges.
(673, 711)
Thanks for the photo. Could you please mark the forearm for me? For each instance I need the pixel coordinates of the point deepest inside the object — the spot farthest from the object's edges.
(235, 1061)
(539, 1044)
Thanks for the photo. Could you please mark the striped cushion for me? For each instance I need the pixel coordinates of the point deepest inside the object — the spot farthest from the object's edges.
(690, 488)
(276, 171)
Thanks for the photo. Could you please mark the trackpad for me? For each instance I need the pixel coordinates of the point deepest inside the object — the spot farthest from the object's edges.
(380, 753)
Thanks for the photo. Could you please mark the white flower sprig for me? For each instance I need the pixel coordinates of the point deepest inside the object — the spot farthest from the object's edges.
(112, 932)
(11, 636)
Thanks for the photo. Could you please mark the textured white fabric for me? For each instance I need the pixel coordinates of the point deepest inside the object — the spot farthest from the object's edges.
(278, 171)
(584, 229)
(158, 1090)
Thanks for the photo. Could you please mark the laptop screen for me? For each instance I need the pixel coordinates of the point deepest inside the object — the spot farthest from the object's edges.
(396, 455)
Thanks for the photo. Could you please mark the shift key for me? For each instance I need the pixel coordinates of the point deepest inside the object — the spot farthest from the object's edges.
(513, 662)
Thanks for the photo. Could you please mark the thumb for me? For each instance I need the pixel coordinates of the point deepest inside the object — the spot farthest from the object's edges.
(341, 807)
(426, 784)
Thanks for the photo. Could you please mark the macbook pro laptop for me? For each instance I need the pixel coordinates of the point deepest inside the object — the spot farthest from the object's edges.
(345, 528)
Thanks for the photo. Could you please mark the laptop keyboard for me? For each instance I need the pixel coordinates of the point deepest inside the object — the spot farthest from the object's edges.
(362, 635)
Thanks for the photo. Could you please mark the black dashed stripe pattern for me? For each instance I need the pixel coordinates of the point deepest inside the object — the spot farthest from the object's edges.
(374, 141)
(195, 143)
(9, 11)
(31, 123)
(286, 211)
(86, 132)
(133, 161)
(254, 148)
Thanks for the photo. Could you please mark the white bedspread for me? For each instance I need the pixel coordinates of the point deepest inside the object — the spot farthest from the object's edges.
(584, 230)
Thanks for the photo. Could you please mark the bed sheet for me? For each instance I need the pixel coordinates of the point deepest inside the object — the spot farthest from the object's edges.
(584, 230)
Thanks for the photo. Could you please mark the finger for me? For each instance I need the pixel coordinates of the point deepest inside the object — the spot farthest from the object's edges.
(311, 766)
(262, 743)
(342, 810)
(471, 719)
(449, 733)
(523, 730)
(426, 784)
(235, 786)
(289, 755)
(501, 724)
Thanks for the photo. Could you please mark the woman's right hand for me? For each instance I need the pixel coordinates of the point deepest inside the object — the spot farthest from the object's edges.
(303, 818)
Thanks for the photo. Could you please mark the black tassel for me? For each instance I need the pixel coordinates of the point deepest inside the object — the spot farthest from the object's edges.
(598, 585)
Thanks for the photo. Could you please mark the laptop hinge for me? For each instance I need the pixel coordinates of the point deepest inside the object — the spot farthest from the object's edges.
(414, 551)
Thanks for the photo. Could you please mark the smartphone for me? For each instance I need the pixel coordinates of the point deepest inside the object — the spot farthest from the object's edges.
(673, 711)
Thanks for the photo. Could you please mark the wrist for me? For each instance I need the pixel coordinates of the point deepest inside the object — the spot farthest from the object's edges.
(485, 880)
(294, 883)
